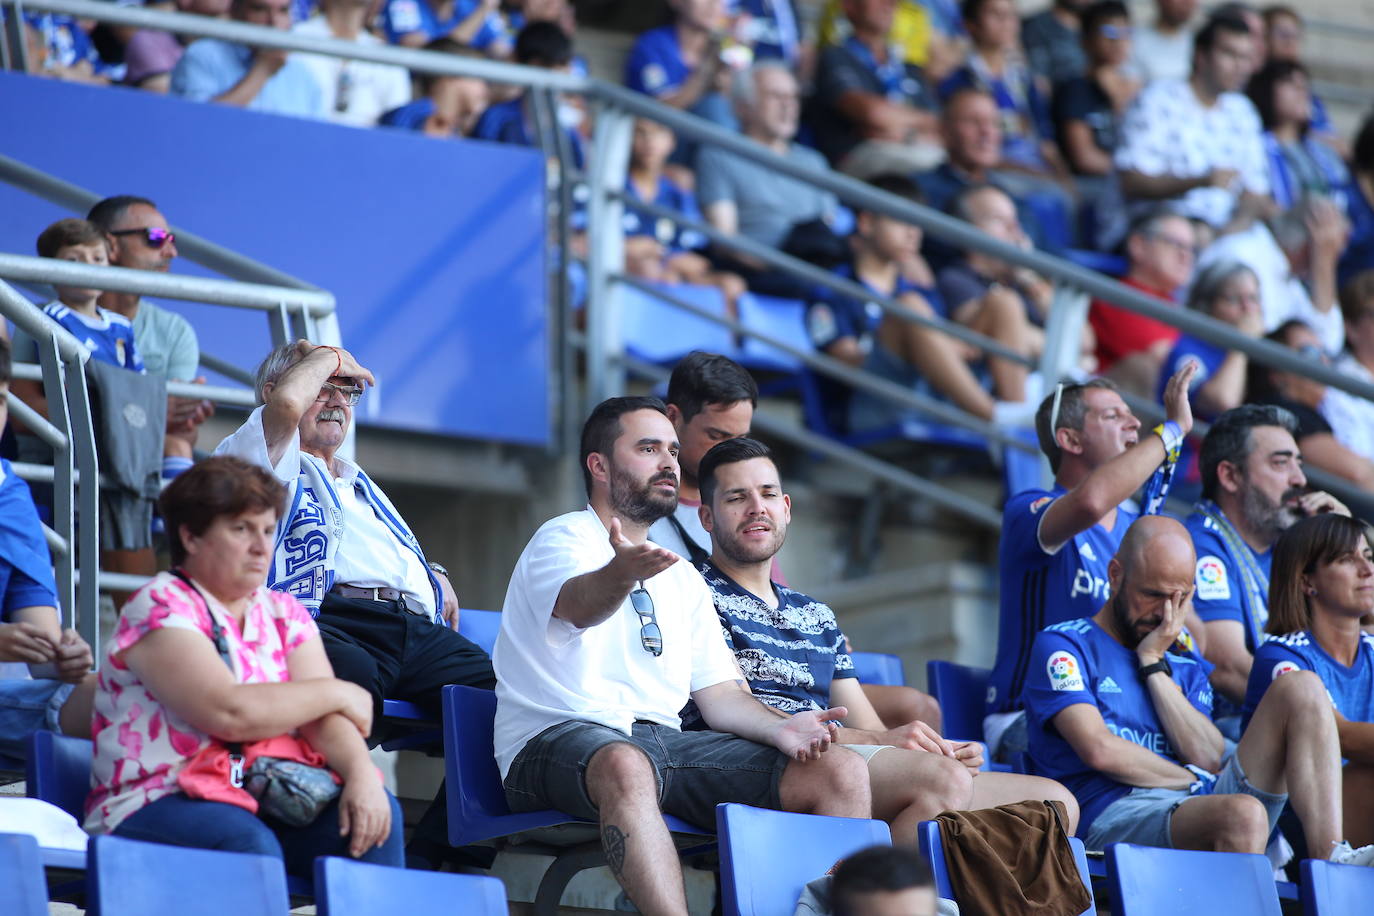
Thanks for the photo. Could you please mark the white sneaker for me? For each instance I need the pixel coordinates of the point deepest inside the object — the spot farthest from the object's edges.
(1343, 854)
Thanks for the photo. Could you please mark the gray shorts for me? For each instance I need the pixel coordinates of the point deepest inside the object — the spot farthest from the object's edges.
(1143, 816)
(695, 770)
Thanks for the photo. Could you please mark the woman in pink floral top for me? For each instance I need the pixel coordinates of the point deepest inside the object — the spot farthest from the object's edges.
(166, 688)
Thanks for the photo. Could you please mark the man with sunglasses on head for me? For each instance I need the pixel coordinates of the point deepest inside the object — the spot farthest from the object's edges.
(388, 617)
(604, 638)
(1056, 544)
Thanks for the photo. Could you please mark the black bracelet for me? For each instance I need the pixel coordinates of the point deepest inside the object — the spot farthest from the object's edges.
(1162, 665)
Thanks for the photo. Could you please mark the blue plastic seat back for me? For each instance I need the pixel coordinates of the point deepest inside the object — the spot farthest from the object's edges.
(136, 878)
(59, 771)
(878, 668)
(961, 691)
(345, 887)
(782, 319)
(933, 851)
(21, 875)
(767, 857)
(1185, 882)
(480, 626)
(1335, 890)
(658, 332)
(474, 781)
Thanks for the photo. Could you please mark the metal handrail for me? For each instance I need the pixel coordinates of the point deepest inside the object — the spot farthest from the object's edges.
(233, 293)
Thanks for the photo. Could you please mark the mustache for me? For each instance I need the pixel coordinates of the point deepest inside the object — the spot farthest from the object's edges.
(669, 476)
(331, 413)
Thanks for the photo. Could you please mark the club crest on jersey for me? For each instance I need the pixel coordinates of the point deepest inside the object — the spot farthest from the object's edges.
(1065, 672)
(1282, 668)
(1040, 503)
(1212, 581)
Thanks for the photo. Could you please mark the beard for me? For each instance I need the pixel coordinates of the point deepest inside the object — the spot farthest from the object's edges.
(1131, 632)
(642, 503)
(733, 545)
(1267, 518)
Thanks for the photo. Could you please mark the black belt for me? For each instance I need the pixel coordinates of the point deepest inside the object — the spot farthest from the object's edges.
(370, 594)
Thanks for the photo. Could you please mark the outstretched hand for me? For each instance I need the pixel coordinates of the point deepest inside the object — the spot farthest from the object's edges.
(637, 562)
(806, 735)
(1176, 406)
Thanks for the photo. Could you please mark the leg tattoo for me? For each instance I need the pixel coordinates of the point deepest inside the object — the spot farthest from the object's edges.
(613, 840)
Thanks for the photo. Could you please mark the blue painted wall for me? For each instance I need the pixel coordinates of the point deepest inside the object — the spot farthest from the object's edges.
(434, 249)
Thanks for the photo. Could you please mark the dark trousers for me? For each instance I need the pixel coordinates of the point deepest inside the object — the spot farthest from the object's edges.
(397, 655)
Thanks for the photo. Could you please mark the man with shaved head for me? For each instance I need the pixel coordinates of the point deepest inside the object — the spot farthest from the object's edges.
(1121, 714)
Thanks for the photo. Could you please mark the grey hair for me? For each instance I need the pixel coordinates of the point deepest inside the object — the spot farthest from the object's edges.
(744, 87)
(1230, 439)
(1212, 280)
(274, 367)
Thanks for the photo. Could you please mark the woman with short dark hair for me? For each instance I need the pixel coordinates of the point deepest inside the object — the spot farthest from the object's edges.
(1322, 589)
(208, 664)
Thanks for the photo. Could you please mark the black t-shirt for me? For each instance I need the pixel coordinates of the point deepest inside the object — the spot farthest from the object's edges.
(850, 67)
(1310, 421)
(1082, 99)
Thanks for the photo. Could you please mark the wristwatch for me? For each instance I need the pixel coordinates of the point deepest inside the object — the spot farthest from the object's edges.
(439, 569)
(1162, 665)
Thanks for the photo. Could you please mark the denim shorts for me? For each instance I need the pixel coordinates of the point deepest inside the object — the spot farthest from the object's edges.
(695, 770)
(27, 706)
(1143, 816)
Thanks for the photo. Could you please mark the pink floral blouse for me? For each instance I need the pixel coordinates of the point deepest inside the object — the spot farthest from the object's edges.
(140, 745)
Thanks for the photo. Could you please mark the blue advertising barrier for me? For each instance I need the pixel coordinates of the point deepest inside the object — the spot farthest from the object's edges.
(434, 249)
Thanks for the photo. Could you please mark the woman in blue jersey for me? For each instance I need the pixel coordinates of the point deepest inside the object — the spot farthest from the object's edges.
(1322, 588)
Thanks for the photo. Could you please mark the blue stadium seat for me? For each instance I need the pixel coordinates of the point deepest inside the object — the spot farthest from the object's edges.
(129, 876)
(933, 851)
(477, 809)
(1185, 882)
(784, 319)
(1336, 890)
(21, 875)
(346, 887)
(878, 668)
(480, 626)
(661, 333)
(767, 857)
(59, 771)
(961, 691)
(1113, 265)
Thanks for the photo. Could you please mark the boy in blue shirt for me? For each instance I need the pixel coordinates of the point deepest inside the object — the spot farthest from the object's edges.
(109, 336)
(1122, 716)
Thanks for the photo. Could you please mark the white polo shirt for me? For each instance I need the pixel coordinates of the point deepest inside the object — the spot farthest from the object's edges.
(549, 671)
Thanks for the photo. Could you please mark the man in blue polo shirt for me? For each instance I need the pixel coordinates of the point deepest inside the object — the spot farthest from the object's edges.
(1120, 713)
(1056, 543)
(1253, 488)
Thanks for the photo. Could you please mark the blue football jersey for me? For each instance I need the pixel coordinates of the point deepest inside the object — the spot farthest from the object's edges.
(1351, 689)
(1039, 589)
(1079, 662)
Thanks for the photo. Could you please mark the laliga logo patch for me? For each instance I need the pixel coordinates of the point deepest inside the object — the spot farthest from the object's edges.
(1065, 672)
(1283, 668)
(1040, 503)
(1212, 583)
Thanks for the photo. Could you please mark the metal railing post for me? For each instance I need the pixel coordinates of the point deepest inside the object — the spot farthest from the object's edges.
(82, 435)
(63, 462)
(610, 162)
(17, 57)
(1063, 336)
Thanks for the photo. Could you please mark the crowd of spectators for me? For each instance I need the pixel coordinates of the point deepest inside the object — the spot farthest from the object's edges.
(1138, 664)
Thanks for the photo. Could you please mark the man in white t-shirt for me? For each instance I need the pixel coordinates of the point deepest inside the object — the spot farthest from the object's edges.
(604, 638)
(356, 92)
(1198, 142)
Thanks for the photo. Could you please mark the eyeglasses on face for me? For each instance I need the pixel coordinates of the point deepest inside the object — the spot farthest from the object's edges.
(650, 636)
(351, 393)
(153, 236)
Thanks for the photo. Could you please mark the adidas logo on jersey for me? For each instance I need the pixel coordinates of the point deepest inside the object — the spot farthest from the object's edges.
(1087, 551)
(1107, 685)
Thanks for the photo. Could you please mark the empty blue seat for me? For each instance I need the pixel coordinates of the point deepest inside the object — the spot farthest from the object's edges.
(933, 851)
(345, 887)
(21, 876)
(658, 332)
(59, 771)
(781, 319)
(1336, 890)
(878, 668)
(1185, 882)
(477, 809)
(767, 857)
(480, 626)
(961, 691)
(129, 876)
